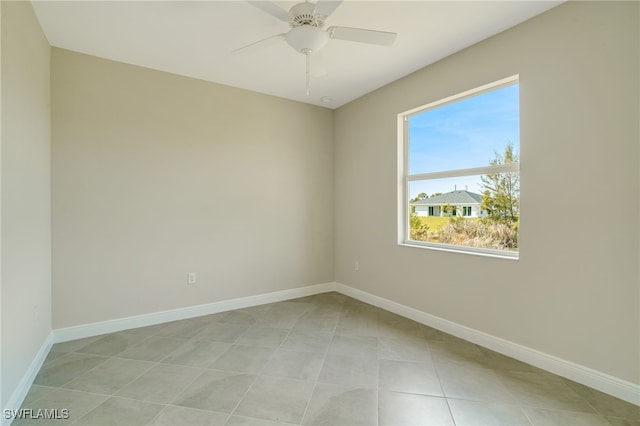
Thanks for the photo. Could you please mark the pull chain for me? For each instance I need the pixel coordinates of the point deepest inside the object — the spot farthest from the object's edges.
(307, 53)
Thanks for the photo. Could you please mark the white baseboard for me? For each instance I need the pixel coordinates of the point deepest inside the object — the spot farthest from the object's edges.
(21, 391)
(603, 382)
(119, 324)
(95, 329)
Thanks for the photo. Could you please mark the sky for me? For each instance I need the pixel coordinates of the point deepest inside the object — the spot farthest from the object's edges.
(461, 135)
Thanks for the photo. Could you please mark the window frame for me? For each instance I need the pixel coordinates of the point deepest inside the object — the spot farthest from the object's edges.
(404, 178)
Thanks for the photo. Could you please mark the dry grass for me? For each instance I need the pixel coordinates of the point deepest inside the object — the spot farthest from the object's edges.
(484, 233)
(481, 233)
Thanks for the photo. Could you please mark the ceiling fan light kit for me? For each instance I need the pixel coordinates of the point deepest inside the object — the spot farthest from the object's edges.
(307, 35)
(307, 39)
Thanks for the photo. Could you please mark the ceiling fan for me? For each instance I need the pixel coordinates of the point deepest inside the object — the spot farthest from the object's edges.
(307, 34)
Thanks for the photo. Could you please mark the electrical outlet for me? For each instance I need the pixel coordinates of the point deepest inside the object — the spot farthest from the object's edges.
(356, 266)
(191, 278)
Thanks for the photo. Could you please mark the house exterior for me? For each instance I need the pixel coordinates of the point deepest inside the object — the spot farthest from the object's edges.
(455, 203)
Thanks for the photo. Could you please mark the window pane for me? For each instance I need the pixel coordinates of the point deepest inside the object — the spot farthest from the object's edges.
(465, 133)
(466, 211)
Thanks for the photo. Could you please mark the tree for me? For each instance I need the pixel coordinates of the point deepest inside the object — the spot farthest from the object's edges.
(418, 231)
(501, 191)
(421, 196)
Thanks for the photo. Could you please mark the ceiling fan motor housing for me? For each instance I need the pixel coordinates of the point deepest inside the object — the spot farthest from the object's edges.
(306, 20)
(305, 14)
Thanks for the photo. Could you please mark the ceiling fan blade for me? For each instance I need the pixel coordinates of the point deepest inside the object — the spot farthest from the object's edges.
(272, 9)
(381, 38)
(257, 45)
(317, 64)
(326, 7)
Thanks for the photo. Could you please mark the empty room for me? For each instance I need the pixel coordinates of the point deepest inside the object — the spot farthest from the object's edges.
(320, 213)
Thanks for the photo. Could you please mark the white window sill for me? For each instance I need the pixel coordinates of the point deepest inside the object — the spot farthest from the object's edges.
(476, 251)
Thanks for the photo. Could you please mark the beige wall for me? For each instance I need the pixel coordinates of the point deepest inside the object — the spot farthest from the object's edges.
(155, 175)
(574, 293)
(26, 212)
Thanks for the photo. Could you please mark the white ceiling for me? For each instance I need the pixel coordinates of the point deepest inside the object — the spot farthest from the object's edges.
(196, 38)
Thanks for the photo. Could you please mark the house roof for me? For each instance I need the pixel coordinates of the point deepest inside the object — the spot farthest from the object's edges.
(453, 198)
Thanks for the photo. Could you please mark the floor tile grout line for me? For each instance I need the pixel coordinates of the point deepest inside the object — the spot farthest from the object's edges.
(524, 405)
(77, 377)
(257, 375)
(210, 365)
(378, 367)
(108, 397)
(230, 345)
(112, 395)
(524, 411)
(175, 398)
(378, 391)
(188, 408)
(590, 404)
(595, 409)
(315, 383)
(108, 357)
(156, 364)
(208, 368)
(444, 395)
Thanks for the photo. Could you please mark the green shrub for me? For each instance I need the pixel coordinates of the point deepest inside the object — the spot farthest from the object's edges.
(418, 230)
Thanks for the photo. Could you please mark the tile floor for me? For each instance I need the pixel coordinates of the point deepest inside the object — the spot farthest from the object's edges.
(320, 360)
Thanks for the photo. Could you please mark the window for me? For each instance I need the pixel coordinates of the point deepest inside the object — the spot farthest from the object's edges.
(459, 162)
